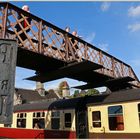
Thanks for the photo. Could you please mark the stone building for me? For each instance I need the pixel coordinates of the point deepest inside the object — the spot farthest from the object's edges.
(22, 96)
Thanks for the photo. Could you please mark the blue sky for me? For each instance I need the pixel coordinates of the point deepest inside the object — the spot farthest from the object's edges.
(111, 26)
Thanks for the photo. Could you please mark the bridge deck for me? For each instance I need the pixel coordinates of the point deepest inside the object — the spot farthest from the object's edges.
(38, 62)
(71, 70)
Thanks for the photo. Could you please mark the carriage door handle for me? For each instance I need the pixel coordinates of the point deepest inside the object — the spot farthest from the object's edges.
(103, 129)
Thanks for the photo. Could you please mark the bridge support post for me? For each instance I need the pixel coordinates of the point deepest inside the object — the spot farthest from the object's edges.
(8, 55)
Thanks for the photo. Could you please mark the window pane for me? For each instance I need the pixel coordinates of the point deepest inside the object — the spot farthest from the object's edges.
(43, 114)
(41, 123)
(55, 123)
(38, 114)
(96, 118)
(38, 123)
(21, 123)
(33, 114)
(139, 108)
(115, 116)
(56, 114)
(67, 119)
(21, 115)
(115, 110)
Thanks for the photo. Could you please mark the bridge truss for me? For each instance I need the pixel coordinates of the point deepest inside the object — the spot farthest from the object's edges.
(44, 50)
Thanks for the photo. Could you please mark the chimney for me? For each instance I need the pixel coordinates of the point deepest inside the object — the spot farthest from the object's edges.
(40, 88)
(65, 90)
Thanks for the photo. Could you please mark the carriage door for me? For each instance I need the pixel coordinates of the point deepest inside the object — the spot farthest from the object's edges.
(81, 120)
(96, 120)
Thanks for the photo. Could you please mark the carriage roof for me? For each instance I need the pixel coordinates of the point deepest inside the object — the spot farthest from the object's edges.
(115, 97)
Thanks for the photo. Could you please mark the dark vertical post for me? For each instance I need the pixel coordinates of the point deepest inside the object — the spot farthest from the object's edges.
(4, 21)
(8, 55)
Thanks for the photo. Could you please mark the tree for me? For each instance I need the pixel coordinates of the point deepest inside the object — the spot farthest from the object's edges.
(76, 93)
(92, 92)
(83, 93)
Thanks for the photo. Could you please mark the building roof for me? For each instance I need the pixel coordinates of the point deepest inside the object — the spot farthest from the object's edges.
(33, 95)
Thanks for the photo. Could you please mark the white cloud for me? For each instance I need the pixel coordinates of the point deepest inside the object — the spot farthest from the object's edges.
(105, 6)
(101, 89)
(90, 37)
(134, 27)
(103, 46)
(134, 11)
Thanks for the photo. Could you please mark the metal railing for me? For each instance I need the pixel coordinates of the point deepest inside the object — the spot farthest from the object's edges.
(42, 37)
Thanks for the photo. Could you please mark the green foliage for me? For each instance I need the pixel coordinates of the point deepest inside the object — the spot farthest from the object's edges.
(76, 93)
(92, 92)
(89, 92)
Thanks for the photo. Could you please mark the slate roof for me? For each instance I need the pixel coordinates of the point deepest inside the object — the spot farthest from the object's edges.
(33, 96)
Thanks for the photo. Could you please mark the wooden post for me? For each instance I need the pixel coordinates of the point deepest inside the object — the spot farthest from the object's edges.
(8, 55)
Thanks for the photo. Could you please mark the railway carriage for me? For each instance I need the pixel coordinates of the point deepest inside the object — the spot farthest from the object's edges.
(114, 115)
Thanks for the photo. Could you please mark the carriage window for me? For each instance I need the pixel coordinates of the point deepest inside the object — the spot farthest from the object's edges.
(7, 125)
(18, 115)
(21, 120)
(115, 116)
(68, 120)
(96, 119)
(33, 114)
(21, 115)
(43, 114)
(38, 114)
(38, 120)
(39, 123)
(55, 120)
